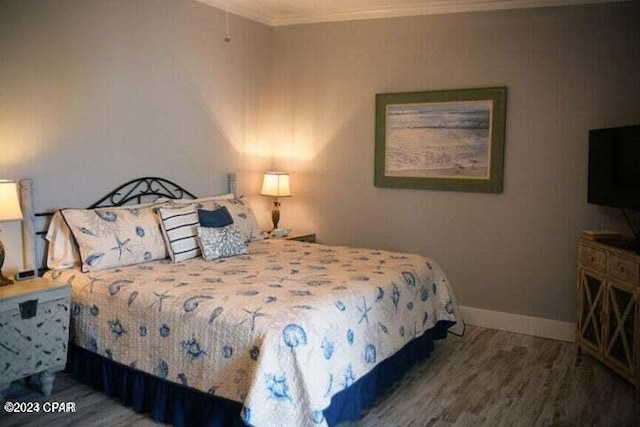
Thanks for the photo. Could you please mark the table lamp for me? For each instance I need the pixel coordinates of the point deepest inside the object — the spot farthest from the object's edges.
(9, 211)
(276, 184)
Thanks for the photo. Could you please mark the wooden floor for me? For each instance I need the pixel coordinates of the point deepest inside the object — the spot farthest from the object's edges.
(487, 378)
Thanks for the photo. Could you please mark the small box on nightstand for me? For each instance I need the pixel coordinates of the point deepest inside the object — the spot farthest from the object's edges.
(34, 331)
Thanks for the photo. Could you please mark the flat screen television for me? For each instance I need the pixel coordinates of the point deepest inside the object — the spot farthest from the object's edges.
(614, 167)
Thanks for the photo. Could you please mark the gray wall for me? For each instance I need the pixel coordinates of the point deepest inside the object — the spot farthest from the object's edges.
(97, 92)
(93, 93)
(567, 70)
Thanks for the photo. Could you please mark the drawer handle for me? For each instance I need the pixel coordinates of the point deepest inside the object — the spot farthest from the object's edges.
(592, 259)
(28, 309)
(621, 269)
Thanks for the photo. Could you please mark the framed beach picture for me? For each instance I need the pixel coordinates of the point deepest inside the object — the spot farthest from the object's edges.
(441, 140)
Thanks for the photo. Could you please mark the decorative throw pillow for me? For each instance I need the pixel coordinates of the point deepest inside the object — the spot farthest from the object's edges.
(62, 250)
(216, 218)
(115, 237)
(179, 229)
(221, 242)
(243, 217)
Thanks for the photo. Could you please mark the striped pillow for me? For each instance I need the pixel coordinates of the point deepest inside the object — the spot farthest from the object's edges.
(179, 229)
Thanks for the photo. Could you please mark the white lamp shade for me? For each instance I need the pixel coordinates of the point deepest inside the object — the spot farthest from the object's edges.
(276, 184)
(9, 202)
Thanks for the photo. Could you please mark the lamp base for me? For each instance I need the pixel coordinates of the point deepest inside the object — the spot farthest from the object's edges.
(4, 281)
(275, 214)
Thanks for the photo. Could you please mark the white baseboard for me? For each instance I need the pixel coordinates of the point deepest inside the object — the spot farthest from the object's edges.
(536, 326)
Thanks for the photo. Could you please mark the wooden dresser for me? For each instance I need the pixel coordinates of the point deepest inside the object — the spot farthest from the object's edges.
(608, 325)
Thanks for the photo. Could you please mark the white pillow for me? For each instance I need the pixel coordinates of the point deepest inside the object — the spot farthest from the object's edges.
(116, 237)
(62, 252)
(243, 217)
(179, 231)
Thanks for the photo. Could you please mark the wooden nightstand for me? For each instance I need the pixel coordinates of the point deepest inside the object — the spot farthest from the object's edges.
(34, 331)
(299, 236)
(302, 237)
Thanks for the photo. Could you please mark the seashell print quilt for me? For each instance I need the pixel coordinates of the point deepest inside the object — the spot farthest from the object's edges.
(280, 330)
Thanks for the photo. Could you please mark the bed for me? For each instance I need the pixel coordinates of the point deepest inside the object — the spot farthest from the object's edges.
(285, 333)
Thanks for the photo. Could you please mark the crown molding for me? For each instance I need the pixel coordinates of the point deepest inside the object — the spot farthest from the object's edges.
(436, 7)
(254, 15)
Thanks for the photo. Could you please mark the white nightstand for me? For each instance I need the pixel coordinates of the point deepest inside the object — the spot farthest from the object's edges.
(34, 331)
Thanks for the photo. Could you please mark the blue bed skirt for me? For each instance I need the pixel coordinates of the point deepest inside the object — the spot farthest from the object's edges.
(168, 402)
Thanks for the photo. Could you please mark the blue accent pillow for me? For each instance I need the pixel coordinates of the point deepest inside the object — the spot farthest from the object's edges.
(215, 219)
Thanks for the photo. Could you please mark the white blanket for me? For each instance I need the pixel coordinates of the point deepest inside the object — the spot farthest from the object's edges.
(281, 330)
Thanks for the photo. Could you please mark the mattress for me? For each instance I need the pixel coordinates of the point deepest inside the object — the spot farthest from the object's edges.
(281, 330)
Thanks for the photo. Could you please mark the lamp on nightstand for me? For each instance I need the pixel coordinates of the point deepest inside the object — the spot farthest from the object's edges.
(9, 211)
(276, 184)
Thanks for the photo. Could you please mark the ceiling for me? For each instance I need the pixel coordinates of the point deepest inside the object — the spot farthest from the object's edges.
(289, 12)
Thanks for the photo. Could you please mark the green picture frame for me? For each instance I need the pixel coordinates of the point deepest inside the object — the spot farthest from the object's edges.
(449, 140)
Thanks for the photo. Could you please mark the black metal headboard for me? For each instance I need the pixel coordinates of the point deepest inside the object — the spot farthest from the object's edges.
(134, 191)
(137, 189)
